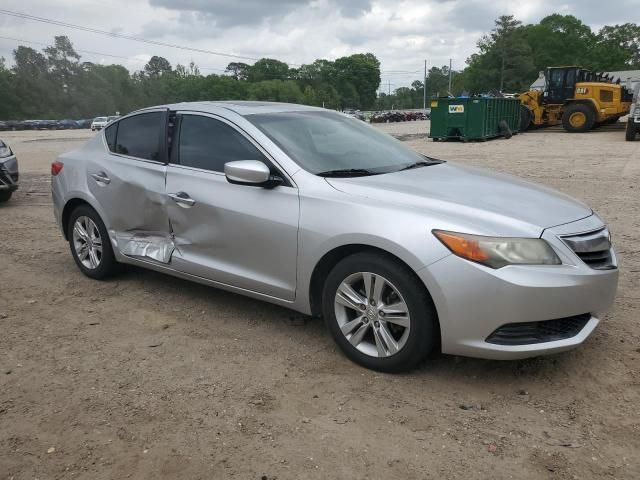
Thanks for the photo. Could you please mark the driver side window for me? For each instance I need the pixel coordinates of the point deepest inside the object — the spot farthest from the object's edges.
(208, 144)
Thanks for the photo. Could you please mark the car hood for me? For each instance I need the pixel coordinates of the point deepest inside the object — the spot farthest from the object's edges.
(476, 199)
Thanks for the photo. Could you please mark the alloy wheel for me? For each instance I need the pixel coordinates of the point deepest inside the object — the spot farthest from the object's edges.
(372, 314)
(87, 242)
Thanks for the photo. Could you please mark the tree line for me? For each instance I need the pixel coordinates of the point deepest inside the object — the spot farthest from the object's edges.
(55, 83)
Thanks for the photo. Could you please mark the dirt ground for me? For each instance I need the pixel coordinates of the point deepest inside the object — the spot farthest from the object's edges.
(147, 376)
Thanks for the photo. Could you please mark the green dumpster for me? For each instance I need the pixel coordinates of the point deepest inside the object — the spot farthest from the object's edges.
(474, 118)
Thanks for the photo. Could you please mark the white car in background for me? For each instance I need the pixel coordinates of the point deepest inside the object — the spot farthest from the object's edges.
(99, 123)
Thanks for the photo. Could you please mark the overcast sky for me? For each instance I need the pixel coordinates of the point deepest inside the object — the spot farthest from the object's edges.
(400, 33)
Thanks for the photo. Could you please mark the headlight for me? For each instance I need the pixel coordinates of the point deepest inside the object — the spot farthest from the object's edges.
(5, 151)
(497, 252)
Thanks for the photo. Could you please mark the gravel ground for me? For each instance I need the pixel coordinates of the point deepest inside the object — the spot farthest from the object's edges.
(147, 376)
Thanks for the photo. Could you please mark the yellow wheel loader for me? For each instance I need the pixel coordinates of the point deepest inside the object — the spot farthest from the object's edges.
(576, 98)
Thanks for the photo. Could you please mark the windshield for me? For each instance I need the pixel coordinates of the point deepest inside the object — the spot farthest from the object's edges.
(321, 142)
(100, 119)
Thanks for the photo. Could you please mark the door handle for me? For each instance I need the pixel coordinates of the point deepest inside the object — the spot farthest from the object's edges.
(101, 178)
(182, 199)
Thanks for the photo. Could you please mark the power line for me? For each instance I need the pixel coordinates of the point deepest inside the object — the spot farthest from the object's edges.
(59, 23)
(131, 59)
(120, 35)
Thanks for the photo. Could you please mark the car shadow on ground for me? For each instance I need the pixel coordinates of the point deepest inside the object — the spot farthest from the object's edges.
(312, 330)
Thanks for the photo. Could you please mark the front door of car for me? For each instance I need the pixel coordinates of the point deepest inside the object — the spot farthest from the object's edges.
(128, 181)
(238, 235)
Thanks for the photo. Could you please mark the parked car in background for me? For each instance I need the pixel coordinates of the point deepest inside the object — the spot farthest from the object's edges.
(99, 123)
(8, 172)
(84, 122)
(112, 118)
(68, 124)
(357, 114)
(14, 125)
(400, 253)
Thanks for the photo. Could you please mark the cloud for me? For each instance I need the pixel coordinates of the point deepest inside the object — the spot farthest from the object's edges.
(401, 33)
(225, 13)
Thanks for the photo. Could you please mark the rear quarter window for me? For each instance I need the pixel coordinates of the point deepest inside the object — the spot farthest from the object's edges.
(139, 136)
(110, 136)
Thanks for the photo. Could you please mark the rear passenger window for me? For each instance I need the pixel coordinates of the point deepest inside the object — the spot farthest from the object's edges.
(139, 136)
(110, 136)
(208, 144)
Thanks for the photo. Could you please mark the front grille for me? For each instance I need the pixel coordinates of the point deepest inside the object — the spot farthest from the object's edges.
(539, 332)
(593, 248)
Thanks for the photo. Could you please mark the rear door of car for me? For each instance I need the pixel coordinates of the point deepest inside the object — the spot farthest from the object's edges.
(129, 183)
(238, 235)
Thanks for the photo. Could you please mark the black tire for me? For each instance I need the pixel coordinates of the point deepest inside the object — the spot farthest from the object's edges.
(5, 195)
(504, 129)
(577, 108)
(630, 133)
(107, 266)
(423, 331)
(526, 117)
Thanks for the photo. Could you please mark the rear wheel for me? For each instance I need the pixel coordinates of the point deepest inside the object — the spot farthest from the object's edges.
(5, 195)
(89, 243)
(378, 313)
(630, 134)
(578, 118)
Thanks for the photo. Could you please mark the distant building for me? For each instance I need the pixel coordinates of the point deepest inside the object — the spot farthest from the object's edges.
(629, 78)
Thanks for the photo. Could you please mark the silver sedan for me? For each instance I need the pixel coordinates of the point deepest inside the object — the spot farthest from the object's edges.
(312, 210)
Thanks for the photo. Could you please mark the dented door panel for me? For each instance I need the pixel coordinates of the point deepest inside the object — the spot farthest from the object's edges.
(233, 234)
(131, 191)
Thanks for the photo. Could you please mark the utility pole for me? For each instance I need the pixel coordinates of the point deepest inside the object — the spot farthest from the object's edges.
(424, 88)
(449, 76)
(389, 87)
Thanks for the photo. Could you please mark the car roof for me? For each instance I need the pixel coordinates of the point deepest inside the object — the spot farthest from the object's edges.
(239, 107)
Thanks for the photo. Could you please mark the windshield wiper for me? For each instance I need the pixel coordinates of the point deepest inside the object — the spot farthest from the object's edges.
(346, 172)
(421, 163)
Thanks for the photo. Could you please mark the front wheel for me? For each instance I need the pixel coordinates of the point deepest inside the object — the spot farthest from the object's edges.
(5, 195)
(578, 118)
(526, 118)
(379, 313)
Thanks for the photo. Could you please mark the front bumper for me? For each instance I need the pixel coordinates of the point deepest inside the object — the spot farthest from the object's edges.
(9, 173)
(473, 301)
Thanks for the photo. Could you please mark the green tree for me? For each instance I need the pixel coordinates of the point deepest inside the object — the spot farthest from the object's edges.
(504, 61)
(559, 40)
(238, 70)
(616, 47)
(268, 69)
(357, 79)
(157, 66)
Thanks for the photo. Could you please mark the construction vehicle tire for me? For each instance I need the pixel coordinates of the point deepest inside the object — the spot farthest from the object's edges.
(578, 118)
(526, 117)
(503, 126)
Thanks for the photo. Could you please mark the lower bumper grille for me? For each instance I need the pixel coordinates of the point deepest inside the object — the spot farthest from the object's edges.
(539, 332)
(7, 179)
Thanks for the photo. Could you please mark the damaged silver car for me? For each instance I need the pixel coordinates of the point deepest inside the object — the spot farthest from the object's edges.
(312, 210)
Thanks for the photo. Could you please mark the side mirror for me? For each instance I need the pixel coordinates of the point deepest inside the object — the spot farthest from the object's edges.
(251, 172)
